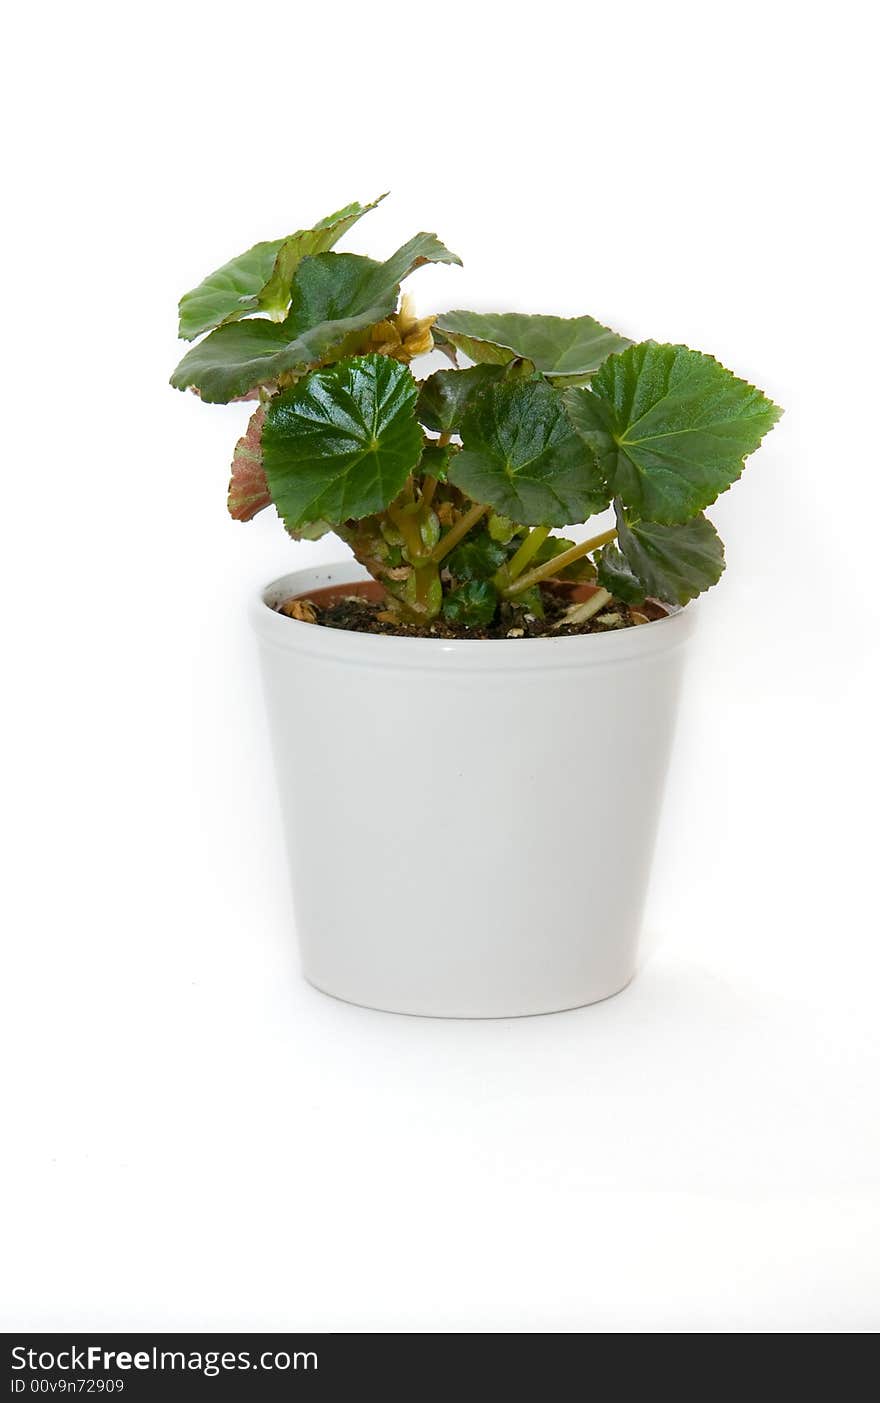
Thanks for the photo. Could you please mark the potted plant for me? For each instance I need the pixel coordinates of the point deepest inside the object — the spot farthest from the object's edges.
(471, 719)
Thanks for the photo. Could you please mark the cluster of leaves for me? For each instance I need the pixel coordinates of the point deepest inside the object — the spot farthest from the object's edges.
(447, 488)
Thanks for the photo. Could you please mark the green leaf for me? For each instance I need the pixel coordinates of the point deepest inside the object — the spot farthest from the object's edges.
(477, 558)
(310, 531)
(501, 528)
(614, 574)
(472, 605)
(260, 278)
(346, 292)
(568, 348)
(342, 442)
(671, 563)
(522, 457)
(445, 395)
(671, 428)
(229, 292)
(333, 295)
(234, 358)
(435, 460)
(531, 601)
(582, 569)
(421, 248)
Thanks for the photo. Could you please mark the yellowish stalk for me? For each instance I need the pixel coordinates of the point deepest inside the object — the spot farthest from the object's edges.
(581, 612)
(518, 562)
(457, 533)
(553, 567)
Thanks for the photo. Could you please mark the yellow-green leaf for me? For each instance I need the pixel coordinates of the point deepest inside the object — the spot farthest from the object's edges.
(333, 296)
(260, 278)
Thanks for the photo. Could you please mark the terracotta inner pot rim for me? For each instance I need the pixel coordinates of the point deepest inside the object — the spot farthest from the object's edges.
(325, 595)
(574, 592)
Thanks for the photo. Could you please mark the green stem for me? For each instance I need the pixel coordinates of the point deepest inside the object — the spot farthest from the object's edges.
(429, 487)
(520, 559)
(424, 575)
(457, 533)
(408, 526)
(553, 567)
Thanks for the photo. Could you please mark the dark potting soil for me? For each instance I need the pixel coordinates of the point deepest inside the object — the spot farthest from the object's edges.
(358, 614)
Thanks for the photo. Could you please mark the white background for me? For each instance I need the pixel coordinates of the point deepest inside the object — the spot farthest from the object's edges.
(195, 1137)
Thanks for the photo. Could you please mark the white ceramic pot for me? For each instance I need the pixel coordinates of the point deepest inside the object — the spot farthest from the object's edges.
(470, 823)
